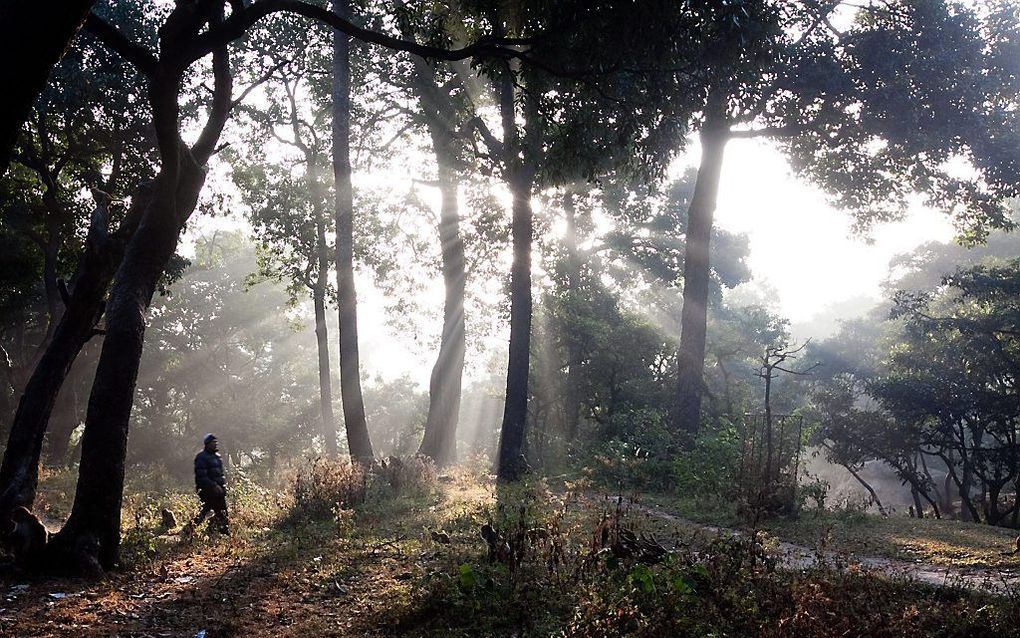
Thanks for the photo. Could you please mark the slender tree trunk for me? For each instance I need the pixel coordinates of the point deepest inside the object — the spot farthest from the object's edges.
(19, 470)
(520, 177)
(322, 340)
(358, 441)
(867, 486)
(35, 34)
(54, 304)
(918, 508)
(768, 425)
(440, 439)
(512, 463)
(697, 270)
(968, 512)
(572, 398)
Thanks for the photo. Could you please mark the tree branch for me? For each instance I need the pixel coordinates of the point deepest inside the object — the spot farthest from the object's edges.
(222, 104)
(136, 54)
(240, 21)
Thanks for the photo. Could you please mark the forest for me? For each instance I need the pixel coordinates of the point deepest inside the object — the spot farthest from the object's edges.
(510, 318)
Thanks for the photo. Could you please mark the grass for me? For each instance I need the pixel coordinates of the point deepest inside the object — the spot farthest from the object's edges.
(412, 563)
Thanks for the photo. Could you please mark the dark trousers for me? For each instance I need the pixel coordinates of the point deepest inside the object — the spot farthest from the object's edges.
(213, 502)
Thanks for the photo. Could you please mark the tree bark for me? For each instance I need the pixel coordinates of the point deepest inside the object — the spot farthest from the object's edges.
(512, 463)
(358, 441)
(93, 528)
(54, 304)
(20, 467)
(33, 36)
(440, 439)
(572, 399)
(322, 340)
(697, 270)
(520, 176)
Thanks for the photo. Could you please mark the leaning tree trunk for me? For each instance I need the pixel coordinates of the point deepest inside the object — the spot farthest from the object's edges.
(512, 463)
(19, 472)
(358, 441)
(322, 341)
(93, 528)
(33, 36)
(440, 439)
(697, 268)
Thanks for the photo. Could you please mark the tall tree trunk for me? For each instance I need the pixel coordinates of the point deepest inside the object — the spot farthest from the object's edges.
(512, 463)
(697, 269)
(768, 425)
(520, 177)
(93, 528)
(440, 439)
(20, 467)
(322, 340)
(33, 36)
(54, 304)
(358, 441)
(572, 399)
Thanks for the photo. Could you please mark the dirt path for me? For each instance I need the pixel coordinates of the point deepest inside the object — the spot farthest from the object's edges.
(793, 556)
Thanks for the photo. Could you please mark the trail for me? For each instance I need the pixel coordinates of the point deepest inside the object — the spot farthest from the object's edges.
(799, 557)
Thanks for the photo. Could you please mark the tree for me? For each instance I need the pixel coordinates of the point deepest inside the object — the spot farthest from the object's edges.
(862, 113)
(288, 212)
(71, 145)
(955, 378)
(92, 532)
(358, 441)
(445, 125)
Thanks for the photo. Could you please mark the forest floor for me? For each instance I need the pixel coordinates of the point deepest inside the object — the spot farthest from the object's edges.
(408, 565)
(971, 547)
(932, 551)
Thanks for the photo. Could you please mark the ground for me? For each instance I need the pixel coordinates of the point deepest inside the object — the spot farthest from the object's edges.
(930, 541)
(414, 564)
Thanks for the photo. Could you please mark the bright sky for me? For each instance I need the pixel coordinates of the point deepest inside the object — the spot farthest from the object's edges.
(803, 254)
(801, 247)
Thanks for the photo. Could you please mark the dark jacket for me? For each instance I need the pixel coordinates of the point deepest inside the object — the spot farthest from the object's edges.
(208, 470)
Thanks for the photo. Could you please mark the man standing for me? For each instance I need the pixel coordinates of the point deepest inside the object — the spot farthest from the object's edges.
(211, 484)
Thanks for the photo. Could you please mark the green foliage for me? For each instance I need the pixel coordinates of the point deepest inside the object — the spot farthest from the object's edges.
(227, 358)
(636, 457)
(946, 391)
(710, 466)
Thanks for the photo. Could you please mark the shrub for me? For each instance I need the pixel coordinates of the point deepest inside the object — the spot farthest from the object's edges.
(325, 485)
(410, 475)
(636, 456)
(711, 465)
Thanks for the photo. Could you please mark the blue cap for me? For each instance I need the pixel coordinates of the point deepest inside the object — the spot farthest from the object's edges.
(208, 437)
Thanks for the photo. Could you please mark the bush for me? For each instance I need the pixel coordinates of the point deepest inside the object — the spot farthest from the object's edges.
(325, 485)
(411, 475)
(710, 467)
(636, 457)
